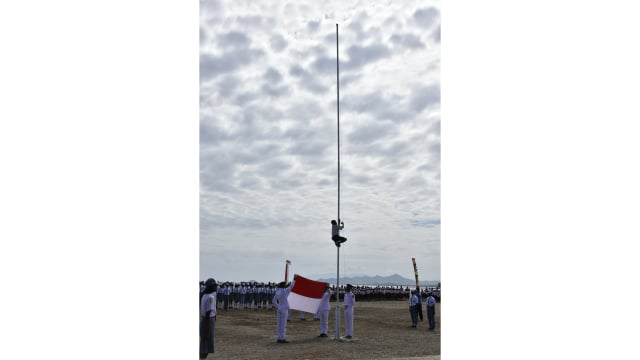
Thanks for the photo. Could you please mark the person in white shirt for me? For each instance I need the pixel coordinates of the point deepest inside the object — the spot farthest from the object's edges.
(413, 308)
(349, 302)
(208, 318)
(431, 311)
(323, 311)
(282, 303)
(226, 293)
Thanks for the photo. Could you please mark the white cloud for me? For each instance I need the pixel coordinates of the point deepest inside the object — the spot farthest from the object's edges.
(268, 136)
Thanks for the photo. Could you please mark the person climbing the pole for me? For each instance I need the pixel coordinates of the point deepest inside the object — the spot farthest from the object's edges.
(335, 232)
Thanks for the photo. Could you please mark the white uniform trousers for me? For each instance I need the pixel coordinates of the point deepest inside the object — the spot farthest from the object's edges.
(281, 325)
(348, 316)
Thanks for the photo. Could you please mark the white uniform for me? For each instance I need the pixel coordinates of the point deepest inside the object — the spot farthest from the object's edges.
(208, 303)
(281, 301)
(323, 311)
(349, 302)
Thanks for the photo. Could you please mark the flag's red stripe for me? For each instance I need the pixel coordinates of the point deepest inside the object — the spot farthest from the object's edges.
(309, 288)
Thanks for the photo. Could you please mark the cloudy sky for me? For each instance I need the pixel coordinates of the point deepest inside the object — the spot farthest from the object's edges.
(268, 137)
(99, 144)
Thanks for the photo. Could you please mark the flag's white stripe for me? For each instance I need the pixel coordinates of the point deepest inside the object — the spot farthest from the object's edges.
(304, 303)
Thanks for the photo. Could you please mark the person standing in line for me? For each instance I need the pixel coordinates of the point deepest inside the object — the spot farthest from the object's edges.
(280, 300)
(256, 297)
(431, 311)
(202, 287)
(413, 308)
(419, 294)
(219, 297)
(242, 291)
(270, 294)
(236, 296)
(335, 232)
(208, 318)
(349, 302)
(262, 292)
(226, 293)
(323, 311)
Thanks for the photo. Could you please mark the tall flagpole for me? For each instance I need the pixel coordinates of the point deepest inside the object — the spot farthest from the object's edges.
(337, 331)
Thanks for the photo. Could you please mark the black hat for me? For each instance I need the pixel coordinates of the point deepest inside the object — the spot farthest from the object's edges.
(282, 284)
(349, 286)
(210, 286)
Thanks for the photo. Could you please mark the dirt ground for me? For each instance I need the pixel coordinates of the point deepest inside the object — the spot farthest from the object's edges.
(381, 330)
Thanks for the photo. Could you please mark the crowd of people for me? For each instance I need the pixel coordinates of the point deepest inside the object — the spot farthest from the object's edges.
(252, 295)
(257, 296)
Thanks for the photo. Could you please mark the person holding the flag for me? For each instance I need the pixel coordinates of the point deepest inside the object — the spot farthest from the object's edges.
(323, 311)
(282, 304)
(349, 301)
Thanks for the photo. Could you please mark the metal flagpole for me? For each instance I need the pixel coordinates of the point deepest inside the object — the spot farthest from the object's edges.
(337, 331)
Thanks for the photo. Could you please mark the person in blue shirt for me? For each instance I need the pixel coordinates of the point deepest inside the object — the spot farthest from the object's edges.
(431, 311)
(413, 308)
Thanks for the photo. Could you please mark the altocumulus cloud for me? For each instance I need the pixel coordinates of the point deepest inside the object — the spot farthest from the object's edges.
(268, 141)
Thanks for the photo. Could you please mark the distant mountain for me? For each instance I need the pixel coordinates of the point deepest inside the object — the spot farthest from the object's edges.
(391, 280)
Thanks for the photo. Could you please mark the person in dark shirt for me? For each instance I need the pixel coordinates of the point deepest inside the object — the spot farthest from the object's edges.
(335, 232)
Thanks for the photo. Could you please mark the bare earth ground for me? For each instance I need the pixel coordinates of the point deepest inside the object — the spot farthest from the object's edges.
(381, 330)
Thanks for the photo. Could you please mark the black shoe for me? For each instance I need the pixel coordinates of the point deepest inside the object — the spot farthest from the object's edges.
(348, 336)
(343, 240)
(303, 319)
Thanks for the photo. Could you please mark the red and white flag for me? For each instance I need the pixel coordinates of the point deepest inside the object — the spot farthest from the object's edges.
(306, 294)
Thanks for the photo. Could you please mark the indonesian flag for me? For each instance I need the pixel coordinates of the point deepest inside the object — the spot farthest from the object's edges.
(306, 294)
